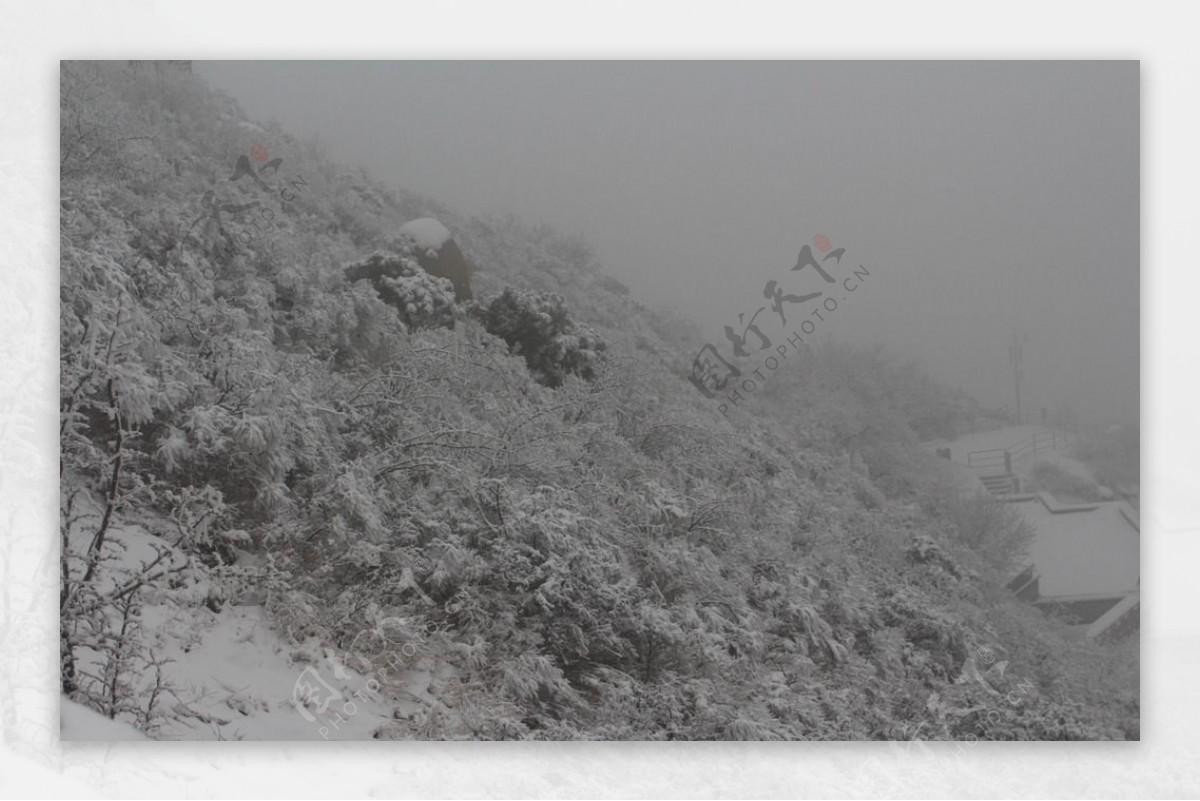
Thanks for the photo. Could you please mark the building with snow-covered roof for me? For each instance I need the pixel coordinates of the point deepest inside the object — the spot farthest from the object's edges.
(1084, 561)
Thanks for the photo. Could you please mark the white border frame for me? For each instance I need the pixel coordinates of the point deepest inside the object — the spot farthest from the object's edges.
(34, 36)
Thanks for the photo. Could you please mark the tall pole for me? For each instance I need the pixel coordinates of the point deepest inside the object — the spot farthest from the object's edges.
(1014, 356)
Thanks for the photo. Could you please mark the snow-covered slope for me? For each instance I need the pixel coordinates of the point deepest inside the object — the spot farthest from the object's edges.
(77, 722)
(223, 672)
(242, 681)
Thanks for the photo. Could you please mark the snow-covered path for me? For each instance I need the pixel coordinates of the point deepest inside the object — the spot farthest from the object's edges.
(1010, 437)
(987, 440)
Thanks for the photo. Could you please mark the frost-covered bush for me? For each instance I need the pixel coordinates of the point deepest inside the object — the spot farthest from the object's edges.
(1065, 486)
(995, 531)
(422, 300)
(611, 284)
(536, 326)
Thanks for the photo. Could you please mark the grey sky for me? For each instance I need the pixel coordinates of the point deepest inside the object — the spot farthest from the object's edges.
(982, 196)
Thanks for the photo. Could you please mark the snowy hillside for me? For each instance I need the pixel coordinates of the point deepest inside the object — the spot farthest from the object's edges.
(309, 493)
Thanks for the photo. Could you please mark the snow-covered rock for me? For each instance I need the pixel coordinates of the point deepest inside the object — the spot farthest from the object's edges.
(426, 233)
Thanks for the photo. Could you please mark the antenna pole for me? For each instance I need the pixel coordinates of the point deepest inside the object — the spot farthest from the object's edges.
(1014, 356)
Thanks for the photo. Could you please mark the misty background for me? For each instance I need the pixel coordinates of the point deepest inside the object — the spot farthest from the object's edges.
(984, 197)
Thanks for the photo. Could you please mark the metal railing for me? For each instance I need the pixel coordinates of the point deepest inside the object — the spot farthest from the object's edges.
(1029, 446)
(992, 457)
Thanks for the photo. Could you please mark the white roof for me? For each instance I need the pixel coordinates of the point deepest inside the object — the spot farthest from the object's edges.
(1085, 549)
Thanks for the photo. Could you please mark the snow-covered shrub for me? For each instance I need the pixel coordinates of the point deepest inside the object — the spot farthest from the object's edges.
(422, 300)
(536, 326)
(611, 284)
(1063, 485)
(993, 530)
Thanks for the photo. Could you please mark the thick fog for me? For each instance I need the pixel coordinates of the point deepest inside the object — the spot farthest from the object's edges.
(983, 197)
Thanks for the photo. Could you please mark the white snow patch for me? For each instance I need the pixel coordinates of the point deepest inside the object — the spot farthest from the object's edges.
(232, 675)
(77, 722)
(427, 233)
(241, 682)
(227, 675)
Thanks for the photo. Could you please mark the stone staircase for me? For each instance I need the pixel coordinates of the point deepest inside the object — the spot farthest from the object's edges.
(1001, 484)
(998, 462)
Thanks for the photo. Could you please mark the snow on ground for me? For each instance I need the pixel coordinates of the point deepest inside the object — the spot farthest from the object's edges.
(1024, 468)
(231, 674)
(998, 438)
(427, 233)
(77, 722)
(958, 477)
(235, 678)
(1008, 438)
(241, 681)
